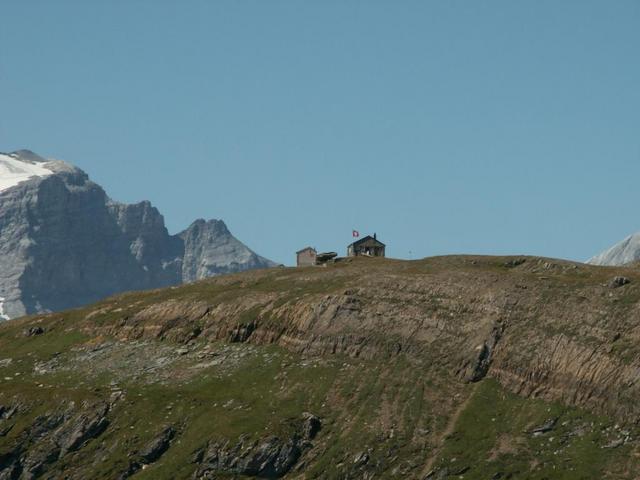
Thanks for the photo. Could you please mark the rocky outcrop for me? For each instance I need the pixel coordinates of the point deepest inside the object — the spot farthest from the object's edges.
(50, 438)
(87, 425)
(64, 243)
(270, 457)
(539, 327)
(54, 435)
(150, 453)
(160, 444)
(619, 282)
(477, 366)
(310, 426)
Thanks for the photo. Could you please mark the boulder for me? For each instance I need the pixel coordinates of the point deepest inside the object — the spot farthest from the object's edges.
(545, 427)
(156, 447)
(33, 331)
(79, 430)
(619, 282)
(311, 425)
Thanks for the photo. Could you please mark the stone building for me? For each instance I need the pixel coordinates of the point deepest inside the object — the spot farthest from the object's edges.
(306, 257)
(368, 246)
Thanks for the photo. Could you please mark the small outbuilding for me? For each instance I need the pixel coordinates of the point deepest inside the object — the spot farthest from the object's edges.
(326, 257)
(368, 246)
(306, 257)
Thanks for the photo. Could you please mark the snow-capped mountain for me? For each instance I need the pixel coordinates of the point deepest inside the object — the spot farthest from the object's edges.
(65, 243)
(626, 251)
(20, 166)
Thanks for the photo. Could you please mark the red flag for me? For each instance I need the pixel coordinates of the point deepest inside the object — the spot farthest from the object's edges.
(355, 233)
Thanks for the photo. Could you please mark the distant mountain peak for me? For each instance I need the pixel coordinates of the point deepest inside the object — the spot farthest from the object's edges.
(65, 243)
(212, 225)
(623, 252)
(27, 155)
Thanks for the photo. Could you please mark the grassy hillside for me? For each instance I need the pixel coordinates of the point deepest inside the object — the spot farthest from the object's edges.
(450, 367)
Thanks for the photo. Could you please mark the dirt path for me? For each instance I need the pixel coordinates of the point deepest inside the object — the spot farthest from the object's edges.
(451, 425)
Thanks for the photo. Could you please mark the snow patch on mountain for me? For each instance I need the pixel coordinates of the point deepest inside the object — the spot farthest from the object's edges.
(3, 316)
(20, 166)
(65, 243)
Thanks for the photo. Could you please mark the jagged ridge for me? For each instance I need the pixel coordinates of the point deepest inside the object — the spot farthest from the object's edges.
(65, 243)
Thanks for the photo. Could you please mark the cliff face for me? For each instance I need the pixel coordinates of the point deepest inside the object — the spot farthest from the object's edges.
(64, 243)
(474, 367)
(546, 328)
(210, 249)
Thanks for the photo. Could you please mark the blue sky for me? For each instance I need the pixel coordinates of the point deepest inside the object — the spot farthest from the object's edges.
(498, 127)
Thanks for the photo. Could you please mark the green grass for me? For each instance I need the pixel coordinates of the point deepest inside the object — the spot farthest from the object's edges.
(393, 406)
(492, 435)
(264, 401)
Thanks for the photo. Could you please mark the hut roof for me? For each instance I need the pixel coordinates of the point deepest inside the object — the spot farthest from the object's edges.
(368, 239)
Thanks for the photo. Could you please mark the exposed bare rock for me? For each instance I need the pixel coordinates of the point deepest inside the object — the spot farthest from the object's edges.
(32, 451)
(154, 449)
(64, 242)
(361, 458)
(33, 331)
(269, 458)
(515, 262)
(476, 369)
(4, 429)
(210, 249)
(87, 425)
(545, 427)
(9, 468)
(7, 412)
(311, 425)
(619, 282)
(49, 438)
(150, 453)
(625, 252)
(615, 443)
(38, 457)
(440, 474)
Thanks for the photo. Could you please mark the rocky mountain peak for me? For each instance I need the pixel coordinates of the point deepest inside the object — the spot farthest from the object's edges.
(28, 156)
(210, 249)
(65, 243)
(212, 226)
(622, 253)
